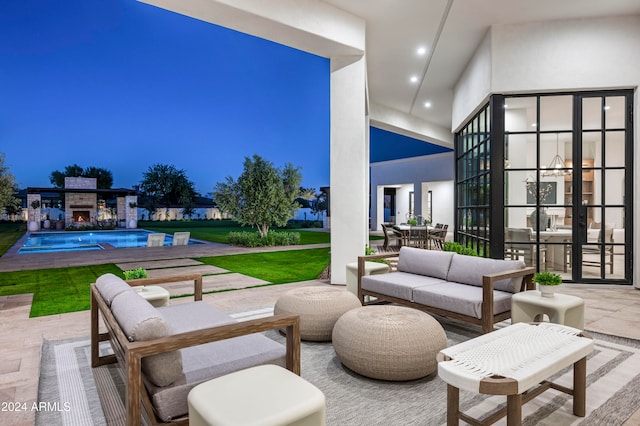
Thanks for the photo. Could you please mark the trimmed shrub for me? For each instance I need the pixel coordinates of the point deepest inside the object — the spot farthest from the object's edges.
(134, 274)
(459, 248)
(273, 238)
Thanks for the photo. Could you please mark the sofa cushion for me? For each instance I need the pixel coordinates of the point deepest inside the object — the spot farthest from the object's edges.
(460, 298)
(110, 286)
(471, 269)
(140, 321)
(430, 263)
(205, 362)
(397, 284)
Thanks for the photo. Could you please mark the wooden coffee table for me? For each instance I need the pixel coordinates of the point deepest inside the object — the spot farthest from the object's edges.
(515, 361)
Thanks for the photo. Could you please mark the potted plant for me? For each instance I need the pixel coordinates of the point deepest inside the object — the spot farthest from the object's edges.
(34, 225)
(547, 282)
(134, 274)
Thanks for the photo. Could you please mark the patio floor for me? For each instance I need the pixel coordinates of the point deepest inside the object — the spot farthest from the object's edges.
(609, 309)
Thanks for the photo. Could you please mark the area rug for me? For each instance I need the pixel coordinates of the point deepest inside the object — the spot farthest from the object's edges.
(95, 396)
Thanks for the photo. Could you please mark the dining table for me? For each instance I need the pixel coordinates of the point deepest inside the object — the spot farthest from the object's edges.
(420, 234)
(556, 243)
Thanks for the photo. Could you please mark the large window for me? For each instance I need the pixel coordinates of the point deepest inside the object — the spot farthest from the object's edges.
(473, 183)
(558, 194)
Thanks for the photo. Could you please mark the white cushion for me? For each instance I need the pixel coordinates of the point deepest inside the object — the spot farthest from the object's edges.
(140, 321)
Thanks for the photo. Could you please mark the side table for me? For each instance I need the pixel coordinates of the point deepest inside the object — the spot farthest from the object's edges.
(529, 306)
(154, 294)
(370, 268)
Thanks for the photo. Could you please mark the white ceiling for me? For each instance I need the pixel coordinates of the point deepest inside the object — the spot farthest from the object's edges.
(450, 30)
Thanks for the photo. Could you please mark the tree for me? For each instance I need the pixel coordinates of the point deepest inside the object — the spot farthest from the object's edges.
(8, 188)
(320, 204)
(104, 178)
(164, 185)
(262, 196)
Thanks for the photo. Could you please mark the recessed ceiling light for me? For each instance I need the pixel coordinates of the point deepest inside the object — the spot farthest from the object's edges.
(414, 79)
(427, 104)
(607, 107)
(505, 105)
(534, 124)
(421, 50)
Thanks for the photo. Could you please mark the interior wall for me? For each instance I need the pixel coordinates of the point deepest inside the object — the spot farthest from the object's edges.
(579, 54)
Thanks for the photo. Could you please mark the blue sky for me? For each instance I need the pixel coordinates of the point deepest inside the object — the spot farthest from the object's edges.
(123, 85)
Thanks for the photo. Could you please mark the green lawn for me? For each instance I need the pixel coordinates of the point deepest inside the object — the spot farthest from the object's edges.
(56, 290)
(276, 267)
(10, 233)
(217, 230)
(60, 290)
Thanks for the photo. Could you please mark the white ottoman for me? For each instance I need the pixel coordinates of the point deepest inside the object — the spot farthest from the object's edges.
(266, 395)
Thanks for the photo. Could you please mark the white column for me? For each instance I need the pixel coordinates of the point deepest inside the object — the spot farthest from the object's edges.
(349, 168)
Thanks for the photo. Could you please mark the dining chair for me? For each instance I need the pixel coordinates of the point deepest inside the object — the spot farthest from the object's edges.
(438, 236)
(390, 235)
(594, 237)
(520, 242)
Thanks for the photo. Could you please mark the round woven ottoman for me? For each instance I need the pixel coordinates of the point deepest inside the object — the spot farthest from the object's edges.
(319, 309)
(389, 342)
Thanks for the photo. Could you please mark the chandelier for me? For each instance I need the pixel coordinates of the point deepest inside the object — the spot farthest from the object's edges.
(557, 167)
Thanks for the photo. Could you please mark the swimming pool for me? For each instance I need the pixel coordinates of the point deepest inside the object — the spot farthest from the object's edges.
(46, 242)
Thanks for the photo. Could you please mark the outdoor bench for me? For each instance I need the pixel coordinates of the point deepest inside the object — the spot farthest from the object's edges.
(468, 288)
(164, 352)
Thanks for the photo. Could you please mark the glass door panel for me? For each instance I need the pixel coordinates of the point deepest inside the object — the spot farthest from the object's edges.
(603, 190)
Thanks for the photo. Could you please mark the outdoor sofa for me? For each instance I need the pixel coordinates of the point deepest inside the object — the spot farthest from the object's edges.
(473, 289)
(165, 352)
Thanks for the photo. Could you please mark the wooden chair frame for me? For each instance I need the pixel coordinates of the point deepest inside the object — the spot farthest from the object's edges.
(129, 354)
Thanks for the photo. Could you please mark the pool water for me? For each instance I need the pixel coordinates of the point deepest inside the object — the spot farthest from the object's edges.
(47, 242)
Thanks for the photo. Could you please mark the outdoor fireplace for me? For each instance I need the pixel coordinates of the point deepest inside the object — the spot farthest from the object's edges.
(81, 216)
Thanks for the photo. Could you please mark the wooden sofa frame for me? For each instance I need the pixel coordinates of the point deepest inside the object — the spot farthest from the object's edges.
(488, 317)
(129, 354)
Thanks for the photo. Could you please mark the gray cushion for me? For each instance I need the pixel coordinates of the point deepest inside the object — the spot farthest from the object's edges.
(460, 298)
(430, 263)
(110, 286)
(205, 362)
(397, 284)
(471, 269)
(140, 321)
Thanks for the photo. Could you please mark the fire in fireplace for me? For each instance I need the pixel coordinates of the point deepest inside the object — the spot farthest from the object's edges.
(81, 216)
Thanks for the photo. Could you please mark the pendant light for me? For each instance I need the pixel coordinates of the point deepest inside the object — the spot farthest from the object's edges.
(557, 167)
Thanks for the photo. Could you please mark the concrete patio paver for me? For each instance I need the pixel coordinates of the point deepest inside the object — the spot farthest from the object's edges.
(199, 269)
(215, 283)
(157, 264)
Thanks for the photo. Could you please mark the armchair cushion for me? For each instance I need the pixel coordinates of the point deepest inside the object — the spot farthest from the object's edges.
(111, 286)
(397, 284)
(470, 269)
(424, 262)
(211, 360)
(460, 298)
(140, 321)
